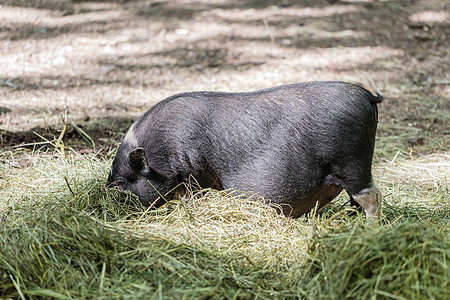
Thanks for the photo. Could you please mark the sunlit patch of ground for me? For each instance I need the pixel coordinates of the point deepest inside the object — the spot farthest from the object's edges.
(114, 58)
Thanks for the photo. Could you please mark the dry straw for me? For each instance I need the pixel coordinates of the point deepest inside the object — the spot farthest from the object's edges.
(67, 236)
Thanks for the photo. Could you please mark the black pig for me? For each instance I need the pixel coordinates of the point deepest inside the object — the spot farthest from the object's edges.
(296, 145)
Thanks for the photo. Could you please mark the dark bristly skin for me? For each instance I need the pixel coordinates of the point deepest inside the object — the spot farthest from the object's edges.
(295, 145)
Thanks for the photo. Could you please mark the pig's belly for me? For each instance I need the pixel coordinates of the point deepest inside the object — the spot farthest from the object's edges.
(322, 196)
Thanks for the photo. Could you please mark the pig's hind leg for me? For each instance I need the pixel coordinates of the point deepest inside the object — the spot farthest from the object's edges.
(356, 179)
(370, 200)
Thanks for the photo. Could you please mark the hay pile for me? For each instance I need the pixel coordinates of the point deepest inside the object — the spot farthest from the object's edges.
(404, 261)
(74, 240)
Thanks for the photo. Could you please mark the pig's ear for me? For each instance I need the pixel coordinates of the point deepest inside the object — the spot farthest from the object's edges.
(138, 161)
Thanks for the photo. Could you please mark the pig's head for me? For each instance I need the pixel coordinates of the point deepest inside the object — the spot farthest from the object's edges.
(130, 172)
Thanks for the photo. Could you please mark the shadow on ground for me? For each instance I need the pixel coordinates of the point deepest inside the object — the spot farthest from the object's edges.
(99, 136)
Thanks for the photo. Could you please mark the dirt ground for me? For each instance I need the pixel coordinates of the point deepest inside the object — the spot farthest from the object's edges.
(97, 65)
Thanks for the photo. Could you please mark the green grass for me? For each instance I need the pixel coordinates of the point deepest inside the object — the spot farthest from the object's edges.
(64, 236)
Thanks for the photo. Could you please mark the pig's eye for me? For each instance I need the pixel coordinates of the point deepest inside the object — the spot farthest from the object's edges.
(121, 183)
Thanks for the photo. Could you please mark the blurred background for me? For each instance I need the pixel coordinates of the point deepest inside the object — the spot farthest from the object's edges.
(95, 66)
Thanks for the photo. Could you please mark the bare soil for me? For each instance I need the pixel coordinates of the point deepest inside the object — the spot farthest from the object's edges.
(97, 65)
